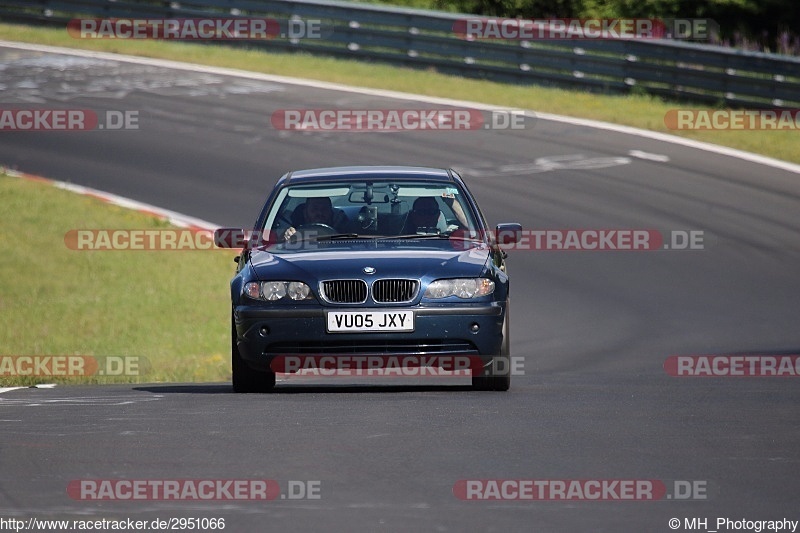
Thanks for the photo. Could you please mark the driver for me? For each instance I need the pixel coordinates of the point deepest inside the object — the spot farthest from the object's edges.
(316, 211)
(424, 213)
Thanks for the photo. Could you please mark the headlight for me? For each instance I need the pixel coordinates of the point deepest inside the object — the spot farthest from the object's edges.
(277, 290)
(462, 287)
(273, 290)
(253, 290)
(297, 290)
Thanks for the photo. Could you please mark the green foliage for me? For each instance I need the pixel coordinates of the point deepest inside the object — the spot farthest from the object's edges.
(516, 8)
(768, 25)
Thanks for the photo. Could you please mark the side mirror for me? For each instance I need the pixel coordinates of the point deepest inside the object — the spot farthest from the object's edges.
(230, 238)
(237, 238)
(508, 233)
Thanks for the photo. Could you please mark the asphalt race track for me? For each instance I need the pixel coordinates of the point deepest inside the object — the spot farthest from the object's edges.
(594, 329)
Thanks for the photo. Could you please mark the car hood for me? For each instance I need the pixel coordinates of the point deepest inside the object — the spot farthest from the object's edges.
(418, 263)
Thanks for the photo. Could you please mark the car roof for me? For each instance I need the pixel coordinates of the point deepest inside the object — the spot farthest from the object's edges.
(394, 173)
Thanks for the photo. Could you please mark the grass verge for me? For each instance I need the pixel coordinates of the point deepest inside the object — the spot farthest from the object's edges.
(633, 110)
(171, 308)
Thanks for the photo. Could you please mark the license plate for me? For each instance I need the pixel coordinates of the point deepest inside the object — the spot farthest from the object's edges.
(361, 321)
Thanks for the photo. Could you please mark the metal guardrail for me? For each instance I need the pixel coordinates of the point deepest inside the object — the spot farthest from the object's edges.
(421, 39)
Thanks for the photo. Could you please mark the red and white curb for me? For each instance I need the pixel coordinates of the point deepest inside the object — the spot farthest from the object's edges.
(177, 219)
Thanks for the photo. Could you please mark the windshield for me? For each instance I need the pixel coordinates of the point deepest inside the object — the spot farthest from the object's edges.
(369, 210)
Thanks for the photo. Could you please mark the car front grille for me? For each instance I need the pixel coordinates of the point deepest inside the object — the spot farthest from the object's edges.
(394, 290)
(354, 291)
(345, 291)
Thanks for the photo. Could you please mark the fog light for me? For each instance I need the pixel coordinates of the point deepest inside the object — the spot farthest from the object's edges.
(474, 327)
(264, 331)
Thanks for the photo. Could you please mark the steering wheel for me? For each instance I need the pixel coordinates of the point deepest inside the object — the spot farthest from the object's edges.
(312, 229)
(319, 226)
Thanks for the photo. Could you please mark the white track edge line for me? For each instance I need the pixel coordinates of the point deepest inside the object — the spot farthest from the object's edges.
(596, 124)
(175, 218)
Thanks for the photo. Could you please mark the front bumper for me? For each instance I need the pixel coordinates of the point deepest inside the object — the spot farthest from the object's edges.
(262, 334)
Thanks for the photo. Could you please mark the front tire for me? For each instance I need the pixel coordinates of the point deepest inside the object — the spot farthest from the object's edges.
(244, 378)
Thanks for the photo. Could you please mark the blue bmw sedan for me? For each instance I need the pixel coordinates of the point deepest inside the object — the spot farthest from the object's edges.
(352, 263)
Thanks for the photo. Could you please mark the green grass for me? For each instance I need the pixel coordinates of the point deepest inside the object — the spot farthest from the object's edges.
(170, 307)
(634, 110)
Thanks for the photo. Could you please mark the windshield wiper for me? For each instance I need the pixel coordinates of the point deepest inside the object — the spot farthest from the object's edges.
(429, 236)
(415, 236)
(342, 236)
(354, 236)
